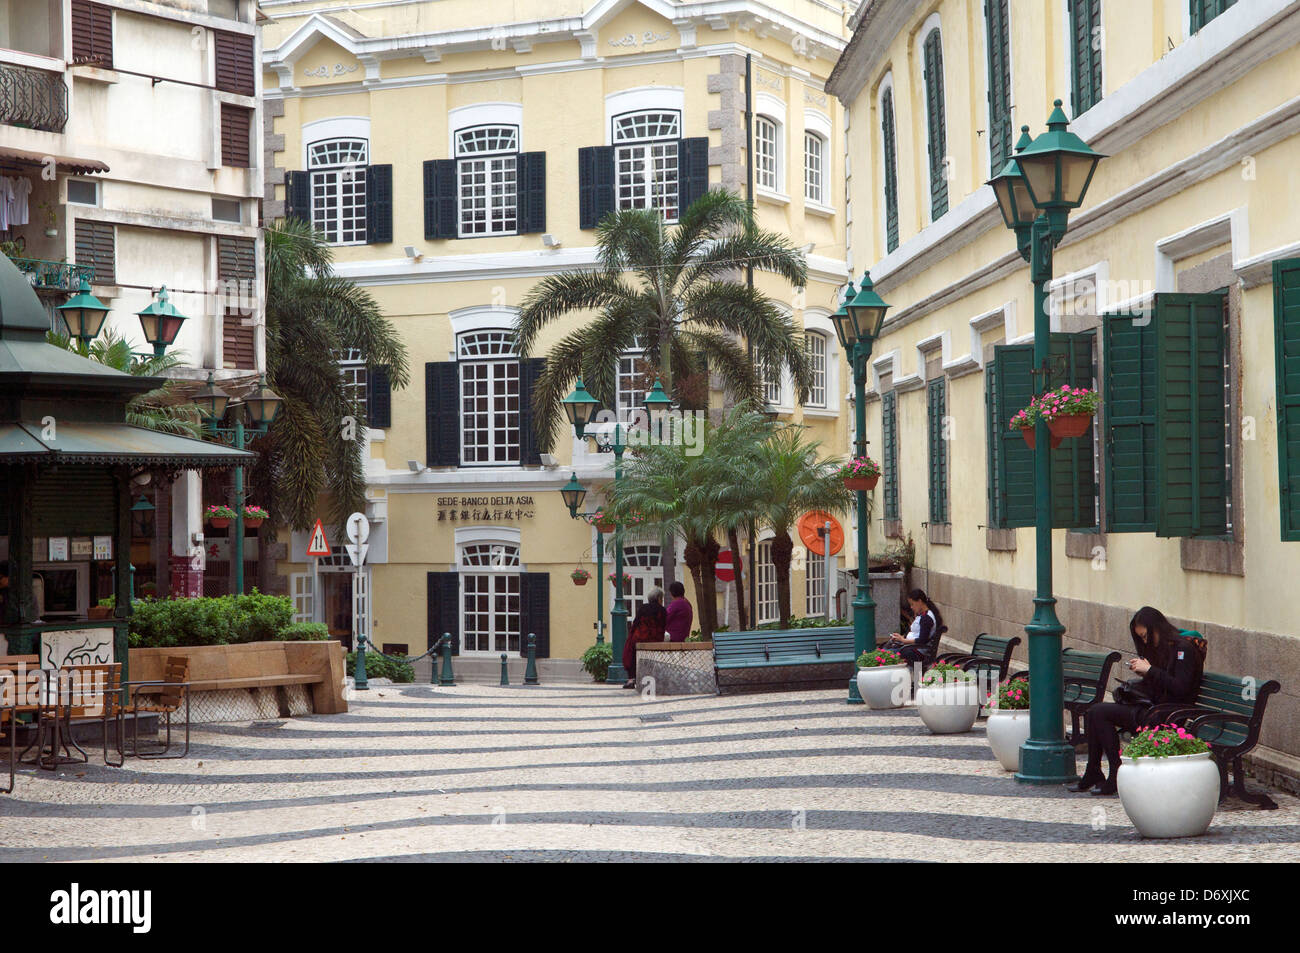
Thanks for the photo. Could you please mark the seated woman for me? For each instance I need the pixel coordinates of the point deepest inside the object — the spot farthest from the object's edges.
(918, 645)
(1170, 666)
(648, 626)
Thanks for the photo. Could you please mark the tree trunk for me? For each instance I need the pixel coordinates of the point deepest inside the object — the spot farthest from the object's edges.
(782, 550)
(708, 582)
(692, 559)
(733, 541)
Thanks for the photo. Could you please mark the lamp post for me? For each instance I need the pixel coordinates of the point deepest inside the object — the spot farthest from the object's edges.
(857, 325)
(573, 494)
(83, 314)
(1036, 190)
(262, 405)
(161, 323)
(580, 407)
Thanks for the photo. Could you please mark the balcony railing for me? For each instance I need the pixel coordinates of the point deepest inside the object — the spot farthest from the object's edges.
(32, 98)
(54, 275)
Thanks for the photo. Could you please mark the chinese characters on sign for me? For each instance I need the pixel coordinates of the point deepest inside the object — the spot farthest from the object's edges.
(478, 509)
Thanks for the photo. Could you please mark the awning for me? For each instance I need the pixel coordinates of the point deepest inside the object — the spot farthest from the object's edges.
(61, 163)
(112, 443)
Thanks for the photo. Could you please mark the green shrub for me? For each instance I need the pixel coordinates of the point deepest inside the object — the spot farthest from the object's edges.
(304, 632)
(209, 620)
(596, 661)
(379, 666)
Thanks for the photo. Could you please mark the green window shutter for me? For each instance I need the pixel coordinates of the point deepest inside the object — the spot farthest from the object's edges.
(993, 445)
(1074, 483)
(1085, 65)
(1203, 11)
(1014, 389)
(1286, 323)
(1129, 415)
(889, 452)
(997, 44)
(1191, 444)
(891, 170)
(936, 410)
(938, 143)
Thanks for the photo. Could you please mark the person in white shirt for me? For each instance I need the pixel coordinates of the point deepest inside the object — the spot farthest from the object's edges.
(923, 636)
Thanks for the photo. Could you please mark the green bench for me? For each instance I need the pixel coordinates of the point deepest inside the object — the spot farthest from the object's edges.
(989, 653)
(1086, 676)
(1227, 714)
(778, 659)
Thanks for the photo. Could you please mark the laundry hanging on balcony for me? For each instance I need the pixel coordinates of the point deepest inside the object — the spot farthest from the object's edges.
(14, 192)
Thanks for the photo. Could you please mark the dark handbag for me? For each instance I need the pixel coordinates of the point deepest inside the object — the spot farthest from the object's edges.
(1132, 692)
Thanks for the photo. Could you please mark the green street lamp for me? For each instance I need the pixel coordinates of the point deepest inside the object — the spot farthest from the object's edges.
(580, 407)
(263, 404)
(857, 325)
(161, 322)
(212, 401)
(1036, 190)
(83, 314)
(573, 493)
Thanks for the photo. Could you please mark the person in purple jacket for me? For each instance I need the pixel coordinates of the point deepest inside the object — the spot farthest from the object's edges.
(680, 613)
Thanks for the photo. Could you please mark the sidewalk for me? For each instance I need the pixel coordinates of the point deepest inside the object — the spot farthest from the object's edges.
(572, 772)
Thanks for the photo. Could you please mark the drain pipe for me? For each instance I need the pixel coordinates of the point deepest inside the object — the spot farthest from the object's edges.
(749, 280)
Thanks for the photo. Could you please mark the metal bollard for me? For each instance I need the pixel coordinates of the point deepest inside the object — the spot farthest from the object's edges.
(359, 670)
(505, 670)
(530, 672)
(433, 662)
(448, 677)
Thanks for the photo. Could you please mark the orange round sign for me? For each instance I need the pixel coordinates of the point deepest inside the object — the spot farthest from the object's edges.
(816, 520)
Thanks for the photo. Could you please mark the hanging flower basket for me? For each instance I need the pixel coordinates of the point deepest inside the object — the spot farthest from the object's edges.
(254, 516)
(579, 577)
(860, 473)
(219, 515)
(627, 579)
(1069, 425)
(1069, 410)
(602, 521)
(1031, 438)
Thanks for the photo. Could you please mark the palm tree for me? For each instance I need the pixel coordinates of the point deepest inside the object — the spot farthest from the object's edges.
(312, 316)
(696, 495)
(789, 481)
(158, 409)
(672, 293)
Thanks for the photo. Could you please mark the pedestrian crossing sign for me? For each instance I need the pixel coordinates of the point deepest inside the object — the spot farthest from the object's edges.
(318, 545)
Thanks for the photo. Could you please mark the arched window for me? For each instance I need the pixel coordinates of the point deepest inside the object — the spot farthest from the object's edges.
(487, 180)
(935, 123)
(489, 397)
(814, 168)
(643, 562)
(338, 189)
(645, 160)
(490, 604)
(767, 154)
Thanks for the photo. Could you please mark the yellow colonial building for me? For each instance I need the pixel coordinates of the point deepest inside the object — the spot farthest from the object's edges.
(1185, 255)
(456, 155)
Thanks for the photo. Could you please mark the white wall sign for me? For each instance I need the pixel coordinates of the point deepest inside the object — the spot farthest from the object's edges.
(76, 647)
(103, 547)
(82, 547)
(58, 549)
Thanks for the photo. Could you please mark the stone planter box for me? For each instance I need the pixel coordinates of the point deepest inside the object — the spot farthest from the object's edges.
(678, 668)
(255, 680)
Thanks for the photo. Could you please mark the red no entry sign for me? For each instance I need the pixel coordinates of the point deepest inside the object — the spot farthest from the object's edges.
(724, 570)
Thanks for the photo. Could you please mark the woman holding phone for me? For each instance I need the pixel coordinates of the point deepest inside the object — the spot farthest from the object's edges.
(1169, 667)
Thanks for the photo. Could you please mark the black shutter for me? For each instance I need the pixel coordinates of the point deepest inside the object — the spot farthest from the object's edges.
(530, 369)
(440, 198)
(535, 612)
(693, 166)
(441, 419)
(379, 398)
(595, 184)
(531, 179)
(297, 196)
(444, 608)
(92, 34)
(379, 204)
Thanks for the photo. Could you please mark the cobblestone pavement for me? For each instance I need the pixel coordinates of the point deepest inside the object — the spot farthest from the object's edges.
(574, 772)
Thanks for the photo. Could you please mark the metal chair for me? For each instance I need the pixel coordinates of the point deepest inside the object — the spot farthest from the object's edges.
(171, 692)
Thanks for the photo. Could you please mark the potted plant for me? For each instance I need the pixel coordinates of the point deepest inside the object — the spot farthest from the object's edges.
(627, 579)
(219, 515)
(860, 473)
(1026, 422)
(882, 679)
(595, 661)
(1070, 410)
(254, 515)
(1008, 724)
(603, 522)
(1168, 782)
(948, 699)
(103, 609)
(579, 576)
(51, 215)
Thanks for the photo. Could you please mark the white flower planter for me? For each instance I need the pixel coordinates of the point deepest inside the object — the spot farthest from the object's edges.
(885, 686)
(948, 709)
(1006, 730)
(1170, 797)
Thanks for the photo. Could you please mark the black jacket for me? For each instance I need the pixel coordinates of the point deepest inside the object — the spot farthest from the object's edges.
(1175, 673)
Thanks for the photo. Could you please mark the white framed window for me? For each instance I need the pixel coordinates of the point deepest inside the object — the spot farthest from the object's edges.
(338, 189)
(643, 562)
(816, 345)
(352, 368)
(630, 385)
(771, 387)
(766, 154)
(490, 620)
(814, 169)
(815, 584)
(83, 191)
(768, 608)
(646, 170)
(487, 182)
(489, 397)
